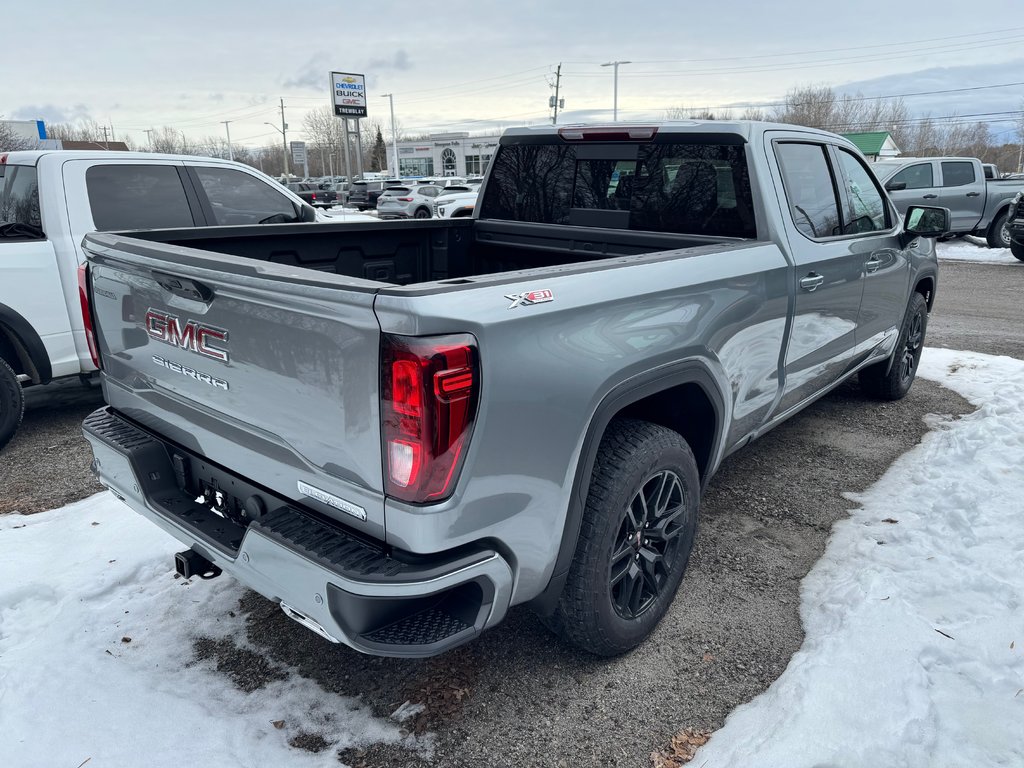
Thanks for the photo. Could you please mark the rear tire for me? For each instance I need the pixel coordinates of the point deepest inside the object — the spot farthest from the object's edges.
(422, 213)
(998, 236)
(635, 539)
(12, 403)
(891, 379)
(1017, 249)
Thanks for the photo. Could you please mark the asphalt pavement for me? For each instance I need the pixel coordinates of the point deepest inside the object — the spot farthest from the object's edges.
(520, 697)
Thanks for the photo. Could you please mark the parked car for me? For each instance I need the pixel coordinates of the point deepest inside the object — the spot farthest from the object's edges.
(456, 202)
(979, 206)
(50, 199)
(407, 202)
(316, 194)
(399, 431)
(1015, 226)
(363, 195)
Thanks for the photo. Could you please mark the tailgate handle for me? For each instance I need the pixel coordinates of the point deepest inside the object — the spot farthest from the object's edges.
(184, 287)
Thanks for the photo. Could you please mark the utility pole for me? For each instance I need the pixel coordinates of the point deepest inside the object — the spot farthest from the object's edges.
(558, 82)
(394, 133)
(106, 144)
(227, 127)
(615, 92)
(149, 137)
(284, 138)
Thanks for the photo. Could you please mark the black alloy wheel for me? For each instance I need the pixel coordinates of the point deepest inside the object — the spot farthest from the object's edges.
(646, 546)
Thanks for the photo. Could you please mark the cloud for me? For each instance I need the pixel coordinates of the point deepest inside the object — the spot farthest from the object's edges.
(51, 113)
(400, 61)
(314, 74)
(218, 97)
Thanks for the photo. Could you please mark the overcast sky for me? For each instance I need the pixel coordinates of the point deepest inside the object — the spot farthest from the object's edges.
(480, 65)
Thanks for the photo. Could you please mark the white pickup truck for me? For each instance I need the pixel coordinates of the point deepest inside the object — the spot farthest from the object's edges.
(50, 199)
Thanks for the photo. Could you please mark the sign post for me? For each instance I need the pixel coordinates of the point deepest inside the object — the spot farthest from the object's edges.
(298, 149)
(348, 96)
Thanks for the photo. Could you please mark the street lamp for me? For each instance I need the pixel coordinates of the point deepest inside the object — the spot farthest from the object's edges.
(394, 133)
(615, 102)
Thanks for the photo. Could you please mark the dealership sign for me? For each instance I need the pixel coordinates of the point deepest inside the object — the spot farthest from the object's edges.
(348, 94)
(298, 149)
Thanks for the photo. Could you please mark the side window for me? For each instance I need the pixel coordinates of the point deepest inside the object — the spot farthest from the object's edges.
(957, 173)
(19, 198)
(238, 198)
(137, 197)
(916, 176)
(867, 211)
(809, 189)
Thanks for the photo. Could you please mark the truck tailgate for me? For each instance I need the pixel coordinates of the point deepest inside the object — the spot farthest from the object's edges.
(268, 369)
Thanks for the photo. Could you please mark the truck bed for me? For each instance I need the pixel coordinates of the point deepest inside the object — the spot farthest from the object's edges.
(411, 252)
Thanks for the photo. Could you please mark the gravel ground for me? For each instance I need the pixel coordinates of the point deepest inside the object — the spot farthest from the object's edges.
(520, 697)
(46, 465)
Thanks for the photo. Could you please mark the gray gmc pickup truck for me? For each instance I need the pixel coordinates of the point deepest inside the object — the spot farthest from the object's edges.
(398, 431)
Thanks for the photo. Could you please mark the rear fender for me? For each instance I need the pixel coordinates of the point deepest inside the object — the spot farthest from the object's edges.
(619, 399)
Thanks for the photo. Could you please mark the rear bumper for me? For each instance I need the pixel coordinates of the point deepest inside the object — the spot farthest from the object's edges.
(349, 589)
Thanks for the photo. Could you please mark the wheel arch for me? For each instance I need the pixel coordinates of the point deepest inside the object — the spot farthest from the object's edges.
(683, 397)
(22, 347)
(925, 285)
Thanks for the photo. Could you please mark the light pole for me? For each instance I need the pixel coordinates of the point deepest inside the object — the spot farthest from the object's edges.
(286, 172)
(394, 133)
(227, 127)
(615, 101)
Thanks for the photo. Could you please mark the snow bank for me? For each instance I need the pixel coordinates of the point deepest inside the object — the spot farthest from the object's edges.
(975, 249)
(96, 657)
(914, 653)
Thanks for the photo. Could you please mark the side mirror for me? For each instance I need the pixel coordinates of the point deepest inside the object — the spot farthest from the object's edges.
(925, 221)
(895, 186)
(307, 213)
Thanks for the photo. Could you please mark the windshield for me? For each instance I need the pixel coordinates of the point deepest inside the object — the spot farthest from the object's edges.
(19, 195)
(884, 169)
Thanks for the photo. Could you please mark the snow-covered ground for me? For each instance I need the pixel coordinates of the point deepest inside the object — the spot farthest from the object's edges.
(914, 653)
(96, 657)
(975, 249)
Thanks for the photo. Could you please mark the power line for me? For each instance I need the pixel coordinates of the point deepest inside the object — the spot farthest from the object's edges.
(900, 44)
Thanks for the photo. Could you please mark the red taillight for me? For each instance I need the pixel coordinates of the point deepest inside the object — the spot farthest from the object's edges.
(429, 391)
(314, 195)
(405, 199)
(83, 296)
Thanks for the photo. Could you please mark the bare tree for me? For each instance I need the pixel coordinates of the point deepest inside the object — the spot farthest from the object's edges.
(11, 141)
(683, 112)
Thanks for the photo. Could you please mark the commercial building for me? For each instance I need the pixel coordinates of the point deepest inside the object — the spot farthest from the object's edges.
(444, 154)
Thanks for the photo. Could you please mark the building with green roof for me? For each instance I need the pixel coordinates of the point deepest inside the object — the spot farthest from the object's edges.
(876, 145)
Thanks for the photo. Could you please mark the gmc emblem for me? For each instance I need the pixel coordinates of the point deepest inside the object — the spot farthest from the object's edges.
(193, 336)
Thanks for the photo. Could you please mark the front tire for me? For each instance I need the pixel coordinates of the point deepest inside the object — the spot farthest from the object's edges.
(998, 235)
(891, 379)
(635, 539)
(1017, 249)
(12, 403)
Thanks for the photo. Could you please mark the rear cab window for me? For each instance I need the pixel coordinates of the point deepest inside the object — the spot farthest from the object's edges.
(19, 203)
(137, 197)
(958, 173)
(236, 197)
(677, 184)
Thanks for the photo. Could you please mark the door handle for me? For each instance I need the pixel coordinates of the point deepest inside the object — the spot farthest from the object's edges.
(973, 194)
(811, 282)
(873, 264)
(929, 197)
